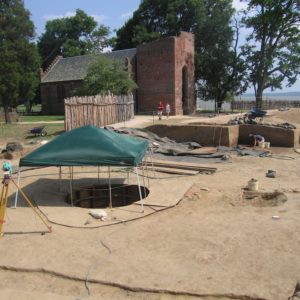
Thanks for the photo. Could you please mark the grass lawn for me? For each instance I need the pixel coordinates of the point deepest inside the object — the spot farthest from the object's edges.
(39, 118)
(20, 132)
(35, 108)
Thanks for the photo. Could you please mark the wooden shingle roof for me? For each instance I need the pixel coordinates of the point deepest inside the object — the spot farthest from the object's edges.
(75, 68)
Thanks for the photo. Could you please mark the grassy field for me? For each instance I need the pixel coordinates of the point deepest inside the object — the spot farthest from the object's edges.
(20, 132)
(40, 118)
(35, 108)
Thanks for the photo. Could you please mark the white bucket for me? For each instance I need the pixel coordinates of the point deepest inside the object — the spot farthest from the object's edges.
(253, 184)
(261, 145)
(267, 145)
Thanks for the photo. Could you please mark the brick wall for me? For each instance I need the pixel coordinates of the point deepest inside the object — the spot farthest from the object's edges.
(159, 73)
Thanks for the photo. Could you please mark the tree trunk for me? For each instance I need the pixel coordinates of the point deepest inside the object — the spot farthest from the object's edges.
(28, 106)
(7, 115)
(259, 95)
(258, 100)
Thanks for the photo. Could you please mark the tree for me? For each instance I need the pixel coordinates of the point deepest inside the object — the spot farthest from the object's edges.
(159, 18)
(70, 36)
(272, 50)
(216, 63)
(105, 75)
(219, 66)
(19, 59)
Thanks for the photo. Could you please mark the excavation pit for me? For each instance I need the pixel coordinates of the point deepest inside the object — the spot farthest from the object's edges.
(98, 196)
(226, 135)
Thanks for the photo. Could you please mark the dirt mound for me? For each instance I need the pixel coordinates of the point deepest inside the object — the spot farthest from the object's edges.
(277, 116)
(275, 198)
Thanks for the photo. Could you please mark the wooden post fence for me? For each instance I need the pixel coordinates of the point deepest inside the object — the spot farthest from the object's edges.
(100, 110)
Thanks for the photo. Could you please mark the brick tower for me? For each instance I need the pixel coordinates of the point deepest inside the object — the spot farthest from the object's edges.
(165, 72)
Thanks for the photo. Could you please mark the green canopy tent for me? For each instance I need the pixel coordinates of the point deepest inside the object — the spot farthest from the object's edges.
(89, 146)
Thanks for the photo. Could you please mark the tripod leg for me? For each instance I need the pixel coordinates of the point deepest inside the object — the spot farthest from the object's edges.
(3, 205)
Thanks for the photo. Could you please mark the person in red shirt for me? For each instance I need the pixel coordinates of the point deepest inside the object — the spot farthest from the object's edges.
(160, 110)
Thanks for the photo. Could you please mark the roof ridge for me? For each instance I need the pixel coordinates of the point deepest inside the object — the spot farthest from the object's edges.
(53, 63)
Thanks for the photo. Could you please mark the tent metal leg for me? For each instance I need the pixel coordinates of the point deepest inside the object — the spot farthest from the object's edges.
(98, 174)
(146, 169)
(109, 183)
(60, 180)
(128, 176)
(140, 192)
(17, 192)
(71, 185)
(151, 155)
(144, 185)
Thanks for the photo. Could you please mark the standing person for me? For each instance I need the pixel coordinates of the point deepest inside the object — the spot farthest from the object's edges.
(168, 110)
(160, 110)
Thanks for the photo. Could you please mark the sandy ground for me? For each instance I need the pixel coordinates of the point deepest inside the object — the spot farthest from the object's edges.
(214, 244)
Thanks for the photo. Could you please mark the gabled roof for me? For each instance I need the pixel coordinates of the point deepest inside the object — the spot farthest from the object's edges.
(88, 146)
(75, 68)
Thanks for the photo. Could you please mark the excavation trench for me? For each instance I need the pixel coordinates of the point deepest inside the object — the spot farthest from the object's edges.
(98, 196)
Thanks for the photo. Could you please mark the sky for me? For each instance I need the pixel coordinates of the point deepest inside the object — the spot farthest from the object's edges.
(111, 13)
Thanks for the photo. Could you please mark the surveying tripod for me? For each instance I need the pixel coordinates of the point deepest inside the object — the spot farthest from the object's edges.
(6, 181)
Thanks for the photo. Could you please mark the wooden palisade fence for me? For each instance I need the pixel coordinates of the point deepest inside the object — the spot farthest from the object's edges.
(266, 104)
(100, 110)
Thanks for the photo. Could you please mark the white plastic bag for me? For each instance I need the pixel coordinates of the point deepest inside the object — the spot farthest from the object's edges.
(98, 214)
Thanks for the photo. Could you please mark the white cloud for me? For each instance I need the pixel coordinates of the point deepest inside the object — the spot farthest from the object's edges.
(68, 14)
(99, 18)
(238, 5)
(126, 15)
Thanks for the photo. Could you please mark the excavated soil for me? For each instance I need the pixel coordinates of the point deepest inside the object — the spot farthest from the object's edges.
(213, 245)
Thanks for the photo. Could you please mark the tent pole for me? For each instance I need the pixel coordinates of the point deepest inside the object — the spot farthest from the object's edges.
(151, 155)
(71, 186)
(17, 192)
(60, 182)
(144, 185)
(128, 176)
(147, 171)
(140, 192)
(109, 183)
(98, 174)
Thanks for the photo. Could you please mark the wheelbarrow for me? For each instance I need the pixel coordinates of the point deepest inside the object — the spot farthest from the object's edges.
(257, 113)
(38, 131)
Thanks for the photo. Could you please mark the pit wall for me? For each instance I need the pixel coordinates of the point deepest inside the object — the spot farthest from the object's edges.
(205, 135)
(277, 136)
(230, 136)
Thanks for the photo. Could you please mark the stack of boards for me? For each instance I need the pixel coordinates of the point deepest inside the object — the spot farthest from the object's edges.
(178, 168)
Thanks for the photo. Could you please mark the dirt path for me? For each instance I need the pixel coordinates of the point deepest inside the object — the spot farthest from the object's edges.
(213, 245)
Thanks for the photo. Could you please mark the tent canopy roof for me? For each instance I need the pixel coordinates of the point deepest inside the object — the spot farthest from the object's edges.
(88, 145)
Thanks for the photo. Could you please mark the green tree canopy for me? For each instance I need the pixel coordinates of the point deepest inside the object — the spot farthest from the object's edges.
(219, 67)
(272, 50)
(71, 36)
(19, 59)
(105, 75)
(217, 64)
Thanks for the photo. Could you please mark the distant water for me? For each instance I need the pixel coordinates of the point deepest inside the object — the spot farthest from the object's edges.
(269, 98)
(209, 105)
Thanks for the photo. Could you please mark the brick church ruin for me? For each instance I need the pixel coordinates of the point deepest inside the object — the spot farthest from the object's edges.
(163, 70)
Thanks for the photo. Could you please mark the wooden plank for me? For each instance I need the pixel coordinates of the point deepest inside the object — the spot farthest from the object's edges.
(179, 165)
(172, 170)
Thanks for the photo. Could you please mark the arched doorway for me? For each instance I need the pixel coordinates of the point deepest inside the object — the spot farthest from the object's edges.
(185, 98)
